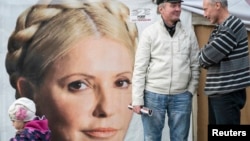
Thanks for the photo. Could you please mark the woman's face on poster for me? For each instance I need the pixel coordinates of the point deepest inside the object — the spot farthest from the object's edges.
(86, 92)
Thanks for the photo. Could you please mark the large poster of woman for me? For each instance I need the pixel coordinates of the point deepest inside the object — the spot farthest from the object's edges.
(74, 59)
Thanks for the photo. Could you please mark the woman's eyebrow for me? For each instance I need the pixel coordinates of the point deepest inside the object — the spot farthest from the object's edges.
(126, 72)
(77, 74)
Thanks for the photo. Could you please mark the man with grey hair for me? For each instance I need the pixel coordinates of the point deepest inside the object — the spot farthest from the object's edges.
(226, 58)
(166, 74)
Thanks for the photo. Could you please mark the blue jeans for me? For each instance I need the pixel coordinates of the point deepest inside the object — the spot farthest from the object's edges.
(178, 108)
(225, 108)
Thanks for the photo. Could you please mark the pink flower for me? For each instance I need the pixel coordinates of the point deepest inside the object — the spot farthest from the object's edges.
(21, 113)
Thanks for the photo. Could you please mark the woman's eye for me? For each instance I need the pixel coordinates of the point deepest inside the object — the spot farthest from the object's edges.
(77, 85)
(122, 83)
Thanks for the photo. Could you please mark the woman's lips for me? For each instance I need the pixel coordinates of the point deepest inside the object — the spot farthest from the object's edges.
(101, 132)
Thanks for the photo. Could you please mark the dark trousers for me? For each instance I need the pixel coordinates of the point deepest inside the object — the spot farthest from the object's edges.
(225, 108)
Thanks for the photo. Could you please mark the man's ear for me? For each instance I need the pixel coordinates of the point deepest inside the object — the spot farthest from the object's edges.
(218, 5)
(25, 88)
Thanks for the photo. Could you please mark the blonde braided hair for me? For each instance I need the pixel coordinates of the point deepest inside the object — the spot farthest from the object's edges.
(45, 31)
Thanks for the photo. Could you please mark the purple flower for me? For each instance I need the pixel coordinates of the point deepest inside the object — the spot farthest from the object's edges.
(21, 113)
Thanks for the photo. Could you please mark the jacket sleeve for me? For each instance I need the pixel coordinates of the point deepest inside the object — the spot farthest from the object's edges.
(194, 64)
(217, 48)
(142, 58)
(20, 136)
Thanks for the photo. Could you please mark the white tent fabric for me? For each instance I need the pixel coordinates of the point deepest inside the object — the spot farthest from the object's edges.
(239, 8)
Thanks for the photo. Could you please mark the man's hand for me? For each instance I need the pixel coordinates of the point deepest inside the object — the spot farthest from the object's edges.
(137, 109)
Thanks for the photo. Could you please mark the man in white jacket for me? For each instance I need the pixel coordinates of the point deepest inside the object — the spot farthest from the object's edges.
(166, 74)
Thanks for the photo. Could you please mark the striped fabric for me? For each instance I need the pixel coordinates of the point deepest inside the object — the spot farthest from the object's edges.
(226, 58)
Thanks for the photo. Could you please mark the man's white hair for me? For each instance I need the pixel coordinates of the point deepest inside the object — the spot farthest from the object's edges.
(224, 3)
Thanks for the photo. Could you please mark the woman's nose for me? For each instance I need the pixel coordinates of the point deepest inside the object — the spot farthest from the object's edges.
(105, 103)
